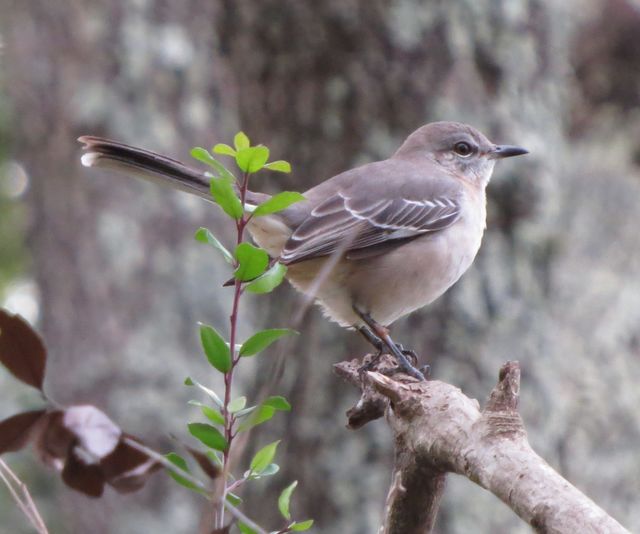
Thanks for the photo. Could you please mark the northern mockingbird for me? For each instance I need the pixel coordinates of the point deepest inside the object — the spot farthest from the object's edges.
(371, 244)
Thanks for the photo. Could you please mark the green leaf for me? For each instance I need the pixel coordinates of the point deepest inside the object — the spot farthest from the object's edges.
(245, 529)
(225, 196)
(241, 141)
(222, 148)
(246, 411)
(259, 416)
(268, 471)
(279, 166)
(190, 382)
(215, 348)
(203, 235)
(180, 462)
(237, 404)
(261, 340)
(301, 526)
(234, 499)
(285, 499)
(208, 435)
(177, 460)
(252, 159)
(278, 402)
(252, 262)
(201, 154)
(278, 203)
(269, 280)
(215, 416)
(212, 414)
(264, 457)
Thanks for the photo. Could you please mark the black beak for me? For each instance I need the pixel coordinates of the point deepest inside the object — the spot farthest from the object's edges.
(506, 151)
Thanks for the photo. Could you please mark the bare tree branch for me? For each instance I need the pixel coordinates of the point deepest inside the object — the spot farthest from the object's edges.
(437, 430)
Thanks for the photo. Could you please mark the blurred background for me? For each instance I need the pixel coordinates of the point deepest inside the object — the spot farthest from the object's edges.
(107, 269)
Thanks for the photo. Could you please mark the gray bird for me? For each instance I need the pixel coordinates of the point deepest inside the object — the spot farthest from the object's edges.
(371, 244)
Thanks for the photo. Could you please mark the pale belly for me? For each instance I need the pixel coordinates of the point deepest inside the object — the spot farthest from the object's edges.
(396, 283)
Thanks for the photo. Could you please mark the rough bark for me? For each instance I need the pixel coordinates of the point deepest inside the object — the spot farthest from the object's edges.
(439, 430)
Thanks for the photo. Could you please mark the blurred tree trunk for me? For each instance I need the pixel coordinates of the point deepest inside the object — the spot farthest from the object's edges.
(122, 283)
(327, 85)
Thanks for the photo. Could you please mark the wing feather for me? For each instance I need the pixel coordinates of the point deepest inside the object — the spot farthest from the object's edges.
(346, 225)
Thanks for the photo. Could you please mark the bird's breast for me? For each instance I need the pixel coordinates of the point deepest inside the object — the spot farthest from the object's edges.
(418, 272)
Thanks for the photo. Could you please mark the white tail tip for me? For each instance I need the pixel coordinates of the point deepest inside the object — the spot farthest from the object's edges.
(89, 159)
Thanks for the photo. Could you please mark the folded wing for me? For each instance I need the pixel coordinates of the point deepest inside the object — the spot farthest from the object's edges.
(359, 227)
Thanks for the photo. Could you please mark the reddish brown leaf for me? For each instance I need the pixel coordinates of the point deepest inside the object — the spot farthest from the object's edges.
(16, 431)
(84, 477)
(223, 530)
(54, 440)
(205, 463)
(127, 469)
(22, 351)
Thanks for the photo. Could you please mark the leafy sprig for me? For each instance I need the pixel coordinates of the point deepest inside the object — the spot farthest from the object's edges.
(254, 272)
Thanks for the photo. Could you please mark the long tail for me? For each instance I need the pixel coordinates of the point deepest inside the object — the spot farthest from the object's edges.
(142, 163)
(108, 154)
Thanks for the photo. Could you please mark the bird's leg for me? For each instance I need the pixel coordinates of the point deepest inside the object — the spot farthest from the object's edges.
(382, 334)
(377, 343)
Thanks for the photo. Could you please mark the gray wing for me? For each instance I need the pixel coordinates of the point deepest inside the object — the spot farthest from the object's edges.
(355, 227)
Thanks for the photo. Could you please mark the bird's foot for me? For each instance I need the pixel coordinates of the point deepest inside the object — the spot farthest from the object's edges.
(404, 366)
(409, 353)
(378, 336)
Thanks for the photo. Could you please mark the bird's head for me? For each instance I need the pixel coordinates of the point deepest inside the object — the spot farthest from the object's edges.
(458, 148)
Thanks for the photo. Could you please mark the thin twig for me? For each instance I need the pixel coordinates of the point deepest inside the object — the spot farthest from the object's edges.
(25, 503)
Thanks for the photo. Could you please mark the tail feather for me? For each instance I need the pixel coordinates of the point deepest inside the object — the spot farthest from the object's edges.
(145, 164)
(108, 154)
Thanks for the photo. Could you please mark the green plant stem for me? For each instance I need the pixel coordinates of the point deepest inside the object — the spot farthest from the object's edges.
(229, 418)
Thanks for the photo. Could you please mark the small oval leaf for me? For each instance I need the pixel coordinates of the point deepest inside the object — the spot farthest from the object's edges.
(225, 196)
(278, 402)
(257, 417)
(212, 394)
(209, 412)
(203, 235)
(237, 404)
(285, 499)
(180, 462)
(215, 348)
(301, 526)
(224, 149)
(252, 262)
(261, 340)
(22, 351)
(279, 166)
(208, 435)
(264, 457)
(17, 430)
(240, 141)
(278, 202)
(268, 281)
(252, 159)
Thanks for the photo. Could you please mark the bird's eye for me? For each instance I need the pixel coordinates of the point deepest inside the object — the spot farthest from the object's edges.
(463, 149)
